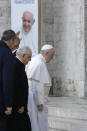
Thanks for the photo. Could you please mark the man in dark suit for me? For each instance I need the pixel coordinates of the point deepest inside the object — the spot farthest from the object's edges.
(6, 76)
(19, 120)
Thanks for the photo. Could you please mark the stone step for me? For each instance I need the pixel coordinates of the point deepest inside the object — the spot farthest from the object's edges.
(71, 108)
(55, 130)
(63, 124)
(67, 114)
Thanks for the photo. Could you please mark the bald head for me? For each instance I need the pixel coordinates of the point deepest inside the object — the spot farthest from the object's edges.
(27, 21)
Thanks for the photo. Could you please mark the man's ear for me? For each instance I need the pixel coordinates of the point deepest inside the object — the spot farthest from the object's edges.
(23, 55)
(33, 21)
(47, 52)
(11, 40)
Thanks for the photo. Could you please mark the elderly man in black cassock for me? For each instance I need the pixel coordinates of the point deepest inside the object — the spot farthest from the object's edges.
(6, 76)
(19, 120)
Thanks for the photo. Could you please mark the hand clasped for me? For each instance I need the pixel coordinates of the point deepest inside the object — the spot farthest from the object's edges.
(8, 110)
(40, 107)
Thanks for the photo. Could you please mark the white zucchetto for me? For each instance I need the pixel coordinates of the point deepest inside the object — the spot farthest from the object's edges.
(47, 47)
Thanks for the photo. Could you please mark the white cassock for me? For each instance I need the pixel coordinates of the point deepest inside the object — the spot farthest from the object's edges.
(28, 39)
(39, 85)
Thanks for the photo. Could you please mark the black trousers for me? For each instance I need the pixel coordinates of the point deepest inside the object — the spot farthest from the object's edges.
(2, 123)
(18, 122)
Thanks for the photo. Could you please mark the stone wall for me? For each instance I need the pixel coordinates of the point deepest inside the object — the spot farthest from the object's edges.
(62, 25)
(5, 11)
(86, 47)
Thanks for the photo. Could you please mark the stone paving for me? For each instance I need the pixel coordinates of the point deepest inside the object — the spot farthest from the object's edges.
(67, 114)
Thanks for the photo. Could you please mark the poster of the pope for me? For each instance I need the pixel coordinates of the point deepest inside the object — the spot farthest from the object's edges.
(24, 20)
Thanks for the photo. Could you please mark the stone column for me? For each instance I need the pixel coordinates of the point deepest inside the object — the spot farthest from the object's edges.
(86, 47)
(63, 26)
(69, 76)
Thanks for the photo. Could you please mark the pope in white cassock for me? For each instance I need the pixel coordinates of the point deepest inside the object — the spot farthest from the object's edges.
(39, 85)
(26, 32)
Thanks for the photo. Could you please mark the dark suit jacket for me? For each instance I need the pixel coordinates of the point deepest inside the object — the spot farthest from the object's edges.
(6, 76)
(20, 85)
(17, 121)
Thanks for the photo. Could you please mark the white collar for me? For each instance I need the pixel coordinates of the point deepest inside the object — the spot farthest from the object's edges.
(42, 57)
(14, 50)
(19, 59)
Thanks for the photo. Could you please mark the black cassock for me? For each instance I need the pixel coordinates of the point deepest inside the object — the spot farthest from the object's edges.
(16, 121)
(6, 81)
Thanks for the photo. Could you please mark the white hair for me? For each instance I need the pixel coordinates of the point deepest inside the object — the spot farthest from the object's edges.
(23, 50)
(29, 13)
